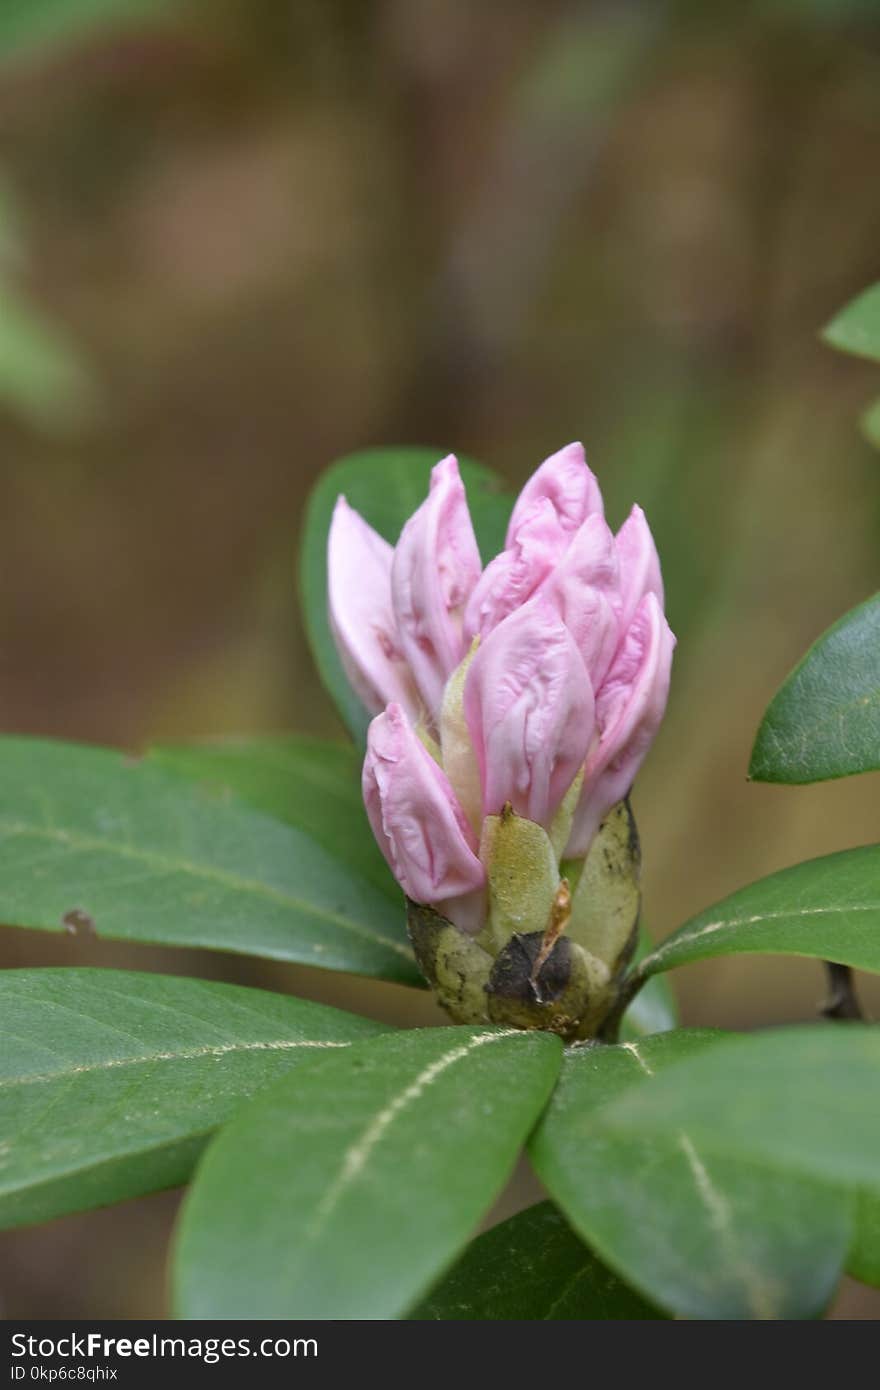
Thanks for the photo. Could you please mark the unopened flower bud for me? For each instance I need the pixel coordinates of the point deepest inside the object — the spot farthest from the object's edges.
(639, 565)
(361, 614)
(509, 580)
(570, 486)
(584, 589)
(417, 821)
(629, 708)
(528, 703)
(436, 565)
(521, 702)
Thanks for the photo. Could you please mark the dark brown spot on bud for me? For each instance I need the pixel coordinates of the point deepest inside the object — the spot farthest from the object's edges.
(519, 973)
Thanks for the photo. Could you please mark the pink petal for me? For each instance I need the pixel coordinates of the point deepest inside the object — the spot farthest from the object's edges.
(514, 575)
(584, 589)
(436, 565)
(529, 708)
(629, 710)
(360, 613)
(566, 481)
(639, 565)
(417, 821)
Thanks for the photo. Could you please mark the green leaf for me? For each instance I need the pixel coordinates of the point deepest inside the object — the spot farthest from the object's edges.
(385, 486)
(703, 1237)
(871, 424)
(824, 721)
(856, 328)
(654, 1009)
(111, 1081)
(801, 1099)
(828, 908)
(93, 840)
(350, 1209)
(26, 25)
(311, 784)
(43, 376)
(864, 1257)
(531, 1268)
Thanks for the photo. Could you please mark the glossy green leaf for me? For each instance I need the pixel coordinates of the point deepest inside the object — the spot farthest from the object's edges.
(864, 1257)
(702, 1236)
(311, 784)
(828, 908)
(531, 1268)
(803, 1099)
(111, 1081)
(346, 1190)
(385, 486)
(856, 328)
(824, 721)
(90, 840)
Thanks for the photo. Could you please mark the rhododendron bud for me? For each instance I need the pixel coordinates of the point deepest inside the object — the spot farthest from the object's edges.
(419, 826)
(639, 565)
(566, 481)
(521, 702)
(529, 708)
(513, 576)
(456, 748)
(629, 707)
(436, 565)
(584, 589)
(361, 616)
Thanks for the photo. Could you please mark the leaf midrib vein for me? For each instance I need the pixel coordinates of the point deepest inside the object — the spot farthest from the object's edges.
(185, 1055)
(710, 928)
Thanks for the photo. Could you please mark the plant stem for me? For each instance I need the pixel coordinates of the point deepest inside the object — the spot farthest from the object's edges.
(629, 988)
(842, 1001)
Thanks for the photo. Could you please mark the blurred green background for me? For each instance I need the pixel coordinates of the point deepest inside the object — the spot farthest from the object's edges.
(239, 238)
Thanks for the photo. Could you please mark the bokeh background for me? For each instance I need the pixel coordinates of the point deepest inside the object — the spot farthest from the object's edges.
(239, 238)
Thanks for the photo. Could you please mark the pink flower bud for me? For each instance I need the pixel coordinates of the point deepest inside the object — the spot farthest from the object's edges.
(566, 481)
(584, 589)
(639, 565)
(361, 617)
(417, 821)
(512, 577)
(529, 709)
(436, 565)
(539, 683)
(629, 708)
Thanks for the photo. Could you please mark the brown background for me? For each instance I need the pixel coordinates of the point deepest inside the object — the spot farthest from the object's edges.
(280, 231)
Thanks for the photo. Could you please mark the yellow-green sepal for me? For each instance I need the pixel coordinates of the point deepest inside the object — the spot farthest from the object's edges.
(523, 878)
(455, 966)
(606, 900)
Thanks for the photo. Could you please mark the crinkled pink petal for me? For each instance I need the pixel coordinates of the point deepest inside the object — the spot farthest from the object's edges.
(629, 709)
(512, 577)
(417, 821)
(639, 565)
(584, 589)
(436, 565)
(360, 612)
(566, 481)
(528, 704)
